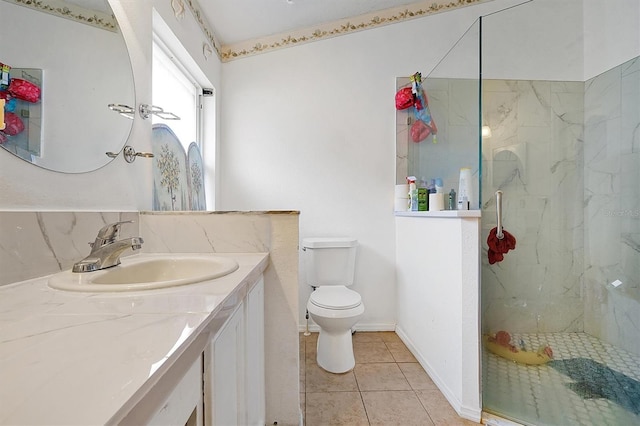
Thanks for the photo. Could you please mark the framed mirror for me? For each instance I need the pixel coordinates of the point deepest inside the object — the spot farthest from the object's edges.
(73, 51)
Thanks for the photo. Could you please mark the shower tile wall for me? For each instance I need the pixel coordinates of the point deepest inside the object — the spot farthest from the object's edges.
(534, 156)
(612, 206)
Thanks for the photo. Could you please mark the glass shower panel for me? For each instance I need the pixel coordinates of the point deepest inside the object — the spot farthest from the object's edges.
(452, 90)
(565, 154)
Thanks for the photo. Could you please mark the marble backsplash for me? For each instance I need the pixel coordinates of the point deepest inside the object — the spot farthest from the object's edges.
(34, 244)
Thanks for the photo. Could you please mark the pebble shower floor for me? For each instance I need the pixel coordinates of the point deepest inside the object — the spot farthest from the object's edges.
(588, 383)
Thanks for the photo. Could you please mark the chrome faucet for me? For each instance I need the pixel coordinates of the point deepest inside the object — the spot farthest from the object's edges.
(105, 250)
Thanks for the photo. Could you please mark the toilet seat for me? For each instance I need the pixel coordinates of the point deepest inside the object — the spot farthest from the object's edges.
(336, 297)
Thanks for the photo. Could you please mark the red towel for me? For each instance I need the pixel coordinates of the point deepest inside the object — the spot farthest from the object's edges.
(498, 247)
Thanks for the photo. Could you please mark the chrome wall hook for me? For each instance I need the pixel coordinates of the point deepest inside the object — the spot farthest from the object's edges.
(123, 110)
(147, 110)
(130, 154)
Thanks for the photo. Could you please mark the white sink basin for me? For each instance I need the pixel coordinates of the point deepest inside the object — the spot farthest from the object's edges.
(146, 272)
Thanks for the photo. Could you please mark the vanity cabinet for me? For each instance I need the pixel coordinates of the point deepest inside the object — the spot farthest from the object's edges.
(234, 366)
(184, 406)
(255, 373)
(219, 380)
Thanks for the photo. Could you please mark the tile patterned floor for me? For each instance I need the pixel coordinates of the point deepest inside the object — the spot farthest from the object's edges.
(588, 383)
(386, 387)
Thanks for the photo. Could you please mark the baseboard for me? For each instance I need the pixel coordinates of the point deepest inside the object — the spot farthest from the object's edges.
(359, 327)
(493, 420)
(376, 327)
(469, 413)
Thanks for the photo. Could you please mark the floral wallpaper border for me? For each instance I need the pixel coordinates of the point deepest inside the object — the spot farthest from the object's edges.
(331, 29)
(72, 11)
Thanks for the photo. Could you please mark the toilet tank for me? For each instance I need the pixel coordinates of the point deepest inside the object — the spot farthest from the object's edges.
(329, 261)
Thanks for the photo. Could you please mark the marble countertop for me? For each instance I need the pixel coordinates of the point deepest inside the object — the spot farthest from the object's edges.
(82, 358)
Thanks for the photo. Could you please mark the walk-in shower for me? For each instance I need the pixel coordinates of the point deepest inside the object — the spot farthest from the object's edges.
(565, 152)
(557, 87)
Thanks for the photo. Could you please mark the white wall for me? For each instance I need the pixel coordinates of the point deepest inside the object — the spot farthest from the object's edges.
(539, 40)
(438, 303)
(312, 128)
(611, 34)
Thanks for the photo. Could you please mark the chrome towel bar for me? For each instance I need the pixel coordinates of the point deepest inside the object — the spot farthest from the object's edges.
(499, 232)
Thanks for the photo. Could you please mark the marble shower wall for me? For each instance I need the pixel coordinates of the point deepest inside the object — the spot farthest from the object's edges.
(567, 157)
(35, 244)
(612, 205)
(534, 156)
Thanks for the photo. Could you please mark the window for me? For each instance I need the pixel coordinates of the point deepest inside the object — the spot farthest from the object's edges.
(180, 86)
(176, 91)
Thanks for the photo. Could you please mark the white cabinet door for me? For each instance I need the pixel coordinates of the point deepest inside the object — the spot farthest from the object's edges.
(184, 405)
(234, 366)
(255, 394)
(225, 374)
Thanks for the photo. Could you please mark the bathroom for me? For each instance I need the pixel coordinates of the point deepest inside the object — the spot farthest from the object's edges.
(333, 160)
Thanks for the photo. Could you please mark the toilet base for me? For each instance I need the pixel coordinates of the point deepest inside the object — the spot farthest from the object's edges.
(335, 351)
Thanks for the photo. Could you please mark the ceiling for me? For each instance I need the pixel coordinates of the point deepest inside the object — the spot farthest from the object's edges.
(235, 21)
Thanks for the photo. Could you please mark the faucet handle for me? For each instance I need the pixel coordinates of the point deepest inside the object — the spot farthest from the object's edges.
(109, 233)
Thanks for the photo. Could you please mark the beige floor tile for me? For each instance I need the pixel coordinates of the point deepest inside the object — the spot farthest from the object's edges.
(335, 408)
(394, 389)
(367, 337)
(366, 352)
(400, 352)
(319, 380)
(312, 336)
(311, 350)
(380, 376)
(400, 408)
(416, 376)
(302, 353)
(441, 413)
(389, 336)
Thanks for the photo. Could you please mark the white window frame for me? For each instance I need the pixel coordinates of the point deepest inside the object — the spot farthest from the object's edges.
(208, 115)
(163, 54)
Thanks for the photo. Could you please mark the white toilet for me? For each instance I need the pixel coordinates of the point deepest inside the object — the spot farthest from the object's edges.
(329, 265)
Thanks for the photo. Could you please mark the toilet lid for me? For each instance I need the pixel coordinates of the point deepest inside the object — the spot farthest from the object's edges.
(335, 297)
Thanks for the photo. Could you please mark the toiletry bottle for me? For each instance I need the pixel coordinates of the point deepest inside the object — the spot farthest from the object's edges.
(439, 186)
(431, 187)
(423, 203)
(422, 183)
(452, 200)
(413, 194)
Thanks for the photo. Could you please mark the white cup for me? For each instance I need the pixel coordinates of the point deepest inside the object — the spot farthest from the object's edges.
(436, 202)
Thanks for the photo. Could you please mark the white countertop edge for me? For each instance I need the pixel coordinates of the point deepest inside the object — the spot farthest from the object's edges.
(442, 213)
